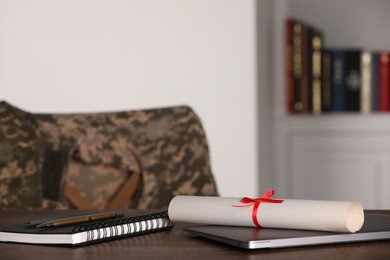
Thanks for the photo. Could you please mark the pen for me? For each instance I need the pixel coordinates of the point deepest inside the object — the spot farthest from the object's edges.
(78, 219)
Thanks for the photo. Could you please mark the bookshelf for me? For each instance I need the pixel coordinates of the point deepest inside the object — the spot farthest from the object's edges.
(338, 155)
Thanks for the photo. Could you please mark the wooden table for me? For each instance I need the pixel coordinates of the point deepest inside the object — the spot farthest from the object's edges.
(176, 244)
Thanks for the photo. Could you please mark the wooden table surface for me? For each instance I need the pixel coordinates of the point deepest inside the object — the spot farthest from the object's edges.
(176, 244)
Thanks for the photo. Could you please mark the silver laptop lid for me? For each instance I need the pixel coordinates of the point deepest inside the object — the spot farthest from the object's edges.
(376, 227)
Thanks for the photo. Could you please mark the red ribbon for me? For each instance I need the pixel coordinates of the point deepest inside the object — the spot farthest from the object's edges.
(256, 202)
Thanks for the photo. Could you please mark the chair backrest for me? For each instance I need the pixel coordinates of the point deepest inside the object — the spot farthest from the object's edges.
(129, 159)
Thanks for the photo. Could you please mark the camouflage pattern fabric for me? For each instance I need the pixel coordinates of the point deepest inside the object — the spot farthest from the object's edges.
(98, 158)
(167, 145)
(96, 152)
(20, 182)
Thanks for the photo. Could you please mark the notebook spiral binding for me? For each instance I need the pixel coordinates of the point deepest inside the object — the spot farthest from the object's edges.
(125, 227)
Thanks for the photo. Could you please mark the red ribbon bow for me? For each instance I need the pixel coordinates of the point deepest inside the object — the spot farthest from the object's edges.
(256, 202)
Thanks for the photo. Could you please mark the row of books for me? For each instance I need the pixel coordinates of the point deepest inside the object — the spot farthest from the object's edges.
(326, 80)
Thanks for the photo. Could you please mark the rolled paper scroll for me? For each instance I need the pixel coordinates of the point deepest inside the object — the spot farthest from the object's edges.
(322, 215)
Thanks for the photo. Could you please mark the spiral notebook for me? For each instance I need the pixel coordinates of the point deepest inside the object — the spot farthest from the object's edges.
(127, 225)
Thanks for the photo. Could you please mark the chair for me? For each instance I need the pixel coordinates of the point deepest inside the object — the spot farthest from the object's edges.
(106, 160)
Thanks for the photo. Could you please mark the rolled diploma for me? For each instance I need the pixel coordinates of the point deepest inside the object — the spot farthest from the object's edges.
(335, 216)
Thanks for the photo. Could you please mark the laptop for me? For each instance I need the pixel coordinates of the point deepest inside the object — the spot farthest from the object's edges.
(376, 227)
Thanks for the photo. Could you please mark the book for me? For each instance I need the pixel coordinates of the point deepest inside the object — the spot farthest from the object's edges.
(305, 71)
(375, 82)
(384, 82)
(337, 85)
(353, 80)
(309, 66)
(316, 41)
(366, 88)
(128, 225)
(326, 91)
(289, 65)
(297, 66)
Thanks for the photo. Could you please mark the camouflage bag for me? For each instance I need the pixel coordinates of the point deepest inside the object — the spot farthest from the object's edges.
(20, 182)
(97, 152)
(167, 145)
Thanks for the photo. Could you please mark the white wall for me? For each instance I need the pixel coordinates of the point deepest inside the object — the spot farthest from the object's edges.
(95, 55)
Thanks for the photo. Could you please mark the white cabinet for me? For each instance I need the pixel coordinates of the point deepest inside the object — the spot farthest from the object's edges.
(340, 157)
(335, 156)
(340, 165)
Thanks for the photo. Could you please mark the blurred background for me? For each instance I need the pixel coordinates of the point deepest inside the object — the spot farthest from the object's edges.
(225, 59)
(80, 56)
